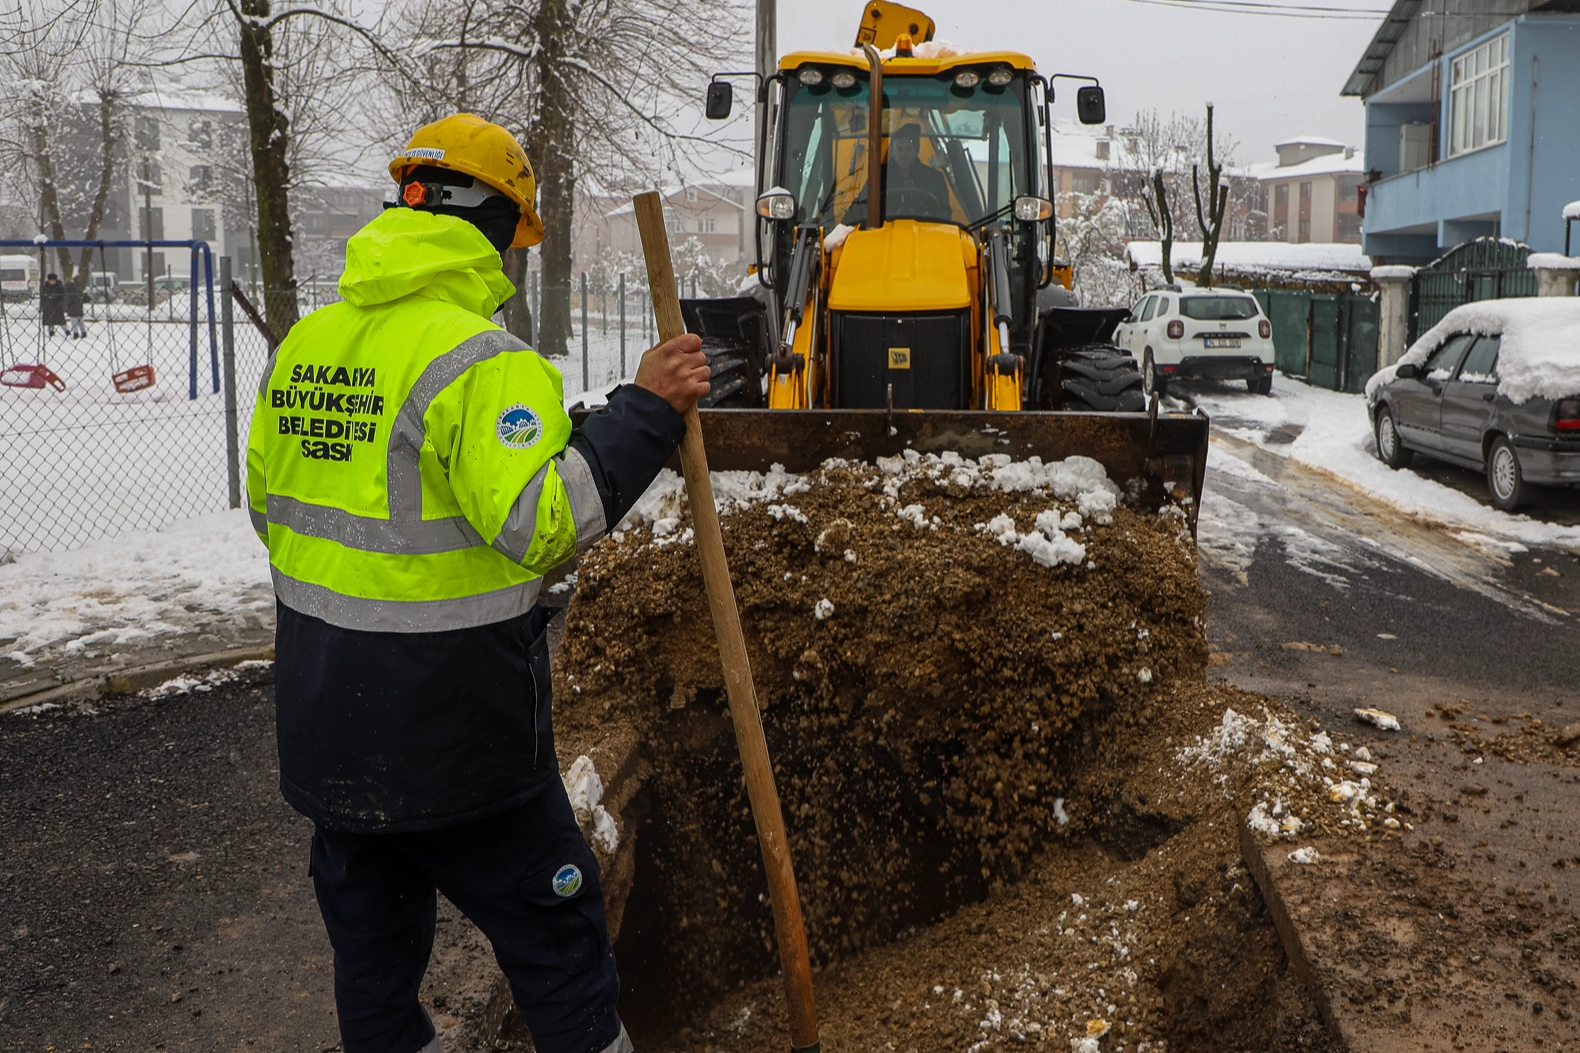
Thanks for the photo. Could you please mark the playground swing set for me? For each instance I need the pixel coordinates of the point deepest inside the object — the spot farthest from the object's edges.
(14, 373)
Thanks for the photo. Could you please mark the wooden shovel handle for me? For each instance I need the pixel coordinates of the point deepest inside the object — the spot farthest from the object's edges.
(788, 927)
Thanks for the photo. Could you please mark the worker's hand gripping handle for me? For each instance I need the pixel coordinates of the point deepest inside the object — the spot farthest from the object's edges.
(764, 796)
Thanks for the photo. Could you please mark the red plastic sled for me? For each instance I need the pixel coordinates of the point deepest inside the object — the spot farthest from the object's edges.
(32, 376)
(135, 379)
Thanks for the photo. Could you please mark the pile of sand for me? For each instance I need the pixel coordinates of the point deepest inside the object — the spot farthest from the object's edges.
(932, 640)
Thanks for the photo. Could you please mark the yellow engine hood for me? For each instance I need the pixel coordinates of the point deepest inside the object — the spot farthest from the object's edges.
(903, 266)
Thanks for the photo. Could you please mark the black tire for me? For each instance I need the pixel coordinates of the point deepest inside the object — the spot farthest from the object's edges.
(734, 383)
(1105, 381)
(1510, 491)
(1390, 450)
(1151, 379)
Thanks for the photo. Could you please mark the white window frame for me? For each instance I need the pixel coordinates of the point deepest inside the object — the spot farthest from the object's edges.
(1478, 96)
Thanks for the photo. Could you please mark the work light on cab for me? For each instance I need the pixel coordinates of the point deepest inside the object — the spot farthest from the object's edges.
(1001, 76)
(843, 80)
(776, 204)
(1030, 208)
(811, 76)
(967, 78)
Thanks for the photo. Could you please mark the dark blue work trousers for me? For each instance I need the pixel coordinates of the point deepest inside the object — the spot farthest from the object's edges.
(525, 877)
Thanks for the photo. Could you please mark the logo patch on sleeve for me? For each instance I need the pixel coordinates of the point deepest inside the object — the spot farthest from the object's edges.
(567, 881)
(518, 427)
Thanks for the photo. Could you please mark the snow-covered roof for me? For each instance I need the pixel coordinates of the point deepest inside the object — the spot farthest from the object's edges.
(1540, 353)
(1257, 255)
(1327, 164)
(1309, 140)
(710, 185)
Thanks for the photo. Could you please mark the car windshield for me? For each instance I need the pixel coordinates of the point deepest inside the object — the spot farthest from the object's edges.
(1217, 308)
(951, 154)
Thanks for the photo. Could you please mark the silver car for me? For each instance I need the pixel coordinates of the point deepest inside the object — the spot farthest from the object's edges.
(1446, 399)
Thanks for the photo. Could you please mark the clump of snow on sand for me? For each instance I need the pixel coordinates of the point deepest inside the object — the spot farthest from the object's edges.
(1289, 771)
(1081, 481)
(584, 787)
(188, 684)
(127, 590)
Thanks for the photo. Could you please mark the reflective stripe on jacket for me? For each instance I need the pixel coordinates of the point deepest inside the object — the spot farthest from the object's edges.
(408, 465)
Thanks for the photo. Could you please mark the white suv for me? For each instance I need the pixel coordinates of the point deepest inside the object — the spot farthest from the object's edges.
(1217, 333)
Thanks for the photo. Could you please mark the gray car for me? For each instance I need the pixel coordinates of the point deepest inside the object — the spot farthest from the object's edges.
(1450, 405)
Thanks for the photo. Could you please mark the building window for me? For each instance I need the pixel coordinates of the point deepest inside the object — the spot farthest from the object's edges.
(706, 225)
(151, 222)
(1349, 227)
(1347, 189)
(691, 195)
(1478, 97)
(202, 224)
(200, 133)
(200, 178)
(151, 180)
(1083, 181)
(145, 133)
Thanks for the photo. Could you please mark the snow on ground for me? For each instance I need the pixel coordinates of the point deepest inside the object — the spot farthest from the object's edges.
(124, 591)
(1331, 430)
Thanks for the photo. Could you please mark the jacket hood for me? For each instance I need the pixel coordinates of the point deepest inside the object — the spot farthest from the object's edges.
(403, 252)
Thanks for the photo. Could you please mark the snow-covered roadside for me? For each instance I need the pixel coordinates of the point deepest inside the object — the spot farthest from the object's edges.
(123, 592)
(1331, 430)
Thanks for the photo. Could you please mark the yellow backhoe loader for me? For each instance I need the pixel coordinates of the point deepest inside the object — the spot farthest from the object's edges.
(905, 236)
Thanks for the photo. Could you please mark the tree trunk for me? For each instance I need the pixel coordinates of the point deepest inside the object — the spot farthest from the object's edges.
(270, 172)
(49, 197)
(518, 311)
(1165, 221)
(1217, 198)
(549, 147)
(106, 178)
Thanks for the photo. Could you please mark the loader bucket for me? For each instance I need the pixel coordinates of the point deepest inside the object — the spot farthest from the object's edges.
(1149, 457)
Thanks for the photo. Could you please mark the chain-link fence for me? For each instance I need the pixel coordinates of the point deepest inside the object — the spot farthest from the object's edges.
(113, 406)
(139, 417)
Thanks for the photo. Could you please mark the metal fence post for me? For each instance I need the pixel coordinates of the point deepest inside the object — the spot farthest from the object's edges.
(586, 383)
(232, 438)
(622, 325)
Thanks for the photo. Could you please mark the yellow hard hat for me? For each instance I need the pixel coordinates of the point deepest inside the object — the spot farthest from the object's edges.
(466, 143)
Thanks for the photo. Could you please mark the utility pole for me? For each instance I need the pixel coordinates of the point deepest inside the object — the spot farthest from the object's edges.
(148, 230)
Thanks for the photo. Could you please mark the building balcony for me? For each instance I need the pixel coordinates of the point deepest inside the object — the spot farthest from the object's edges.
(1425, 212)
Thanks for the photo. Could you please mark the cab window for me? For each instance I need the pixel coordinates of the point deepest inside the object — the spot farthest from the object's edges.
(1440, 364)
(1147, 308)
(1481, 365)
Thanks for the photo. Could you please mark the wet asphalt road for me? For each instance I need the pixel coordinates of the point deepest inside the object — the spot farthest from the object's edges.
(155, 890)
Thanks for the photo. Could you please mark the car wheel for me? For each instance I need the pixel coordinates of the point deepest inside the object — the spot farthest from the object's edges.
(1504, 478)
(1390, 450)
(1151, 380)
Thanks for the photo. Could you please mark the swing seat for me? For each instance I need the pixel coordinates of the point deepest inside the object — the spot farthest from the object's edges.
(31, 376)
(135, 379)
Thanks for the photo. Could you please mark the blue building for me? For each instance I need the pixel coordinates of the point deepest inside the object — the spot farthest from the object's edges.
(1472, 125)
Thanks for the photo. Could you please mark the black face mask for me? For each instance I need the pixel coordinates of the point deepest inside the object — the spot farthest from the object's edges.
(496, 217)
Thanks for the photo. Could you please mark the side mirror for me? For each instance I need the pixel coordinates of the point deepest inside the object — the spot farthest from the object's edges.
(1089, 104)
(1407, 371)
(720, 96)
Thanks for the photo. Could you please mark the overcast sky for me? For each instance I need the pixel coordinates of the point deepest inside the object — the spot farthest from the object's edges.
(1270, 78)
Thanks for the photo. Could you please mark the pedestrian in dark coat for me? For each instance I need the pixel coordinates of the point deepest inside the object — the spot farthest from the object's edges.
(74, 297)
(52, 303)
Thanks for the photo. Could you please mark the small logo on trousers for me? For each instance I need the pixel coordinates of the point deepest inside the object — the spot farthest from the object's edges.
(567, 881)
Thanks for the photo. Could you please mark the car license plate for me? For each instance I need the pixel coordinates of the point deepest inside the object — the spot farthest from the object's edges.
(1221, 341)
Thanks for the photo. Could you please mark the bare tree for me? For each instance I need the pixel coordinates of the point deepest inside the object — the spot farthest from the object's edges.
(1211, 221)
(109, 76)
(38, 109)
(599, 89)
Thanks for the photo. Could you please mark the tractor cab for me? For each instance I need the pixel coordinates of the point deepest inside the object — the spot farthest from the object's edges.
(905, 220)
